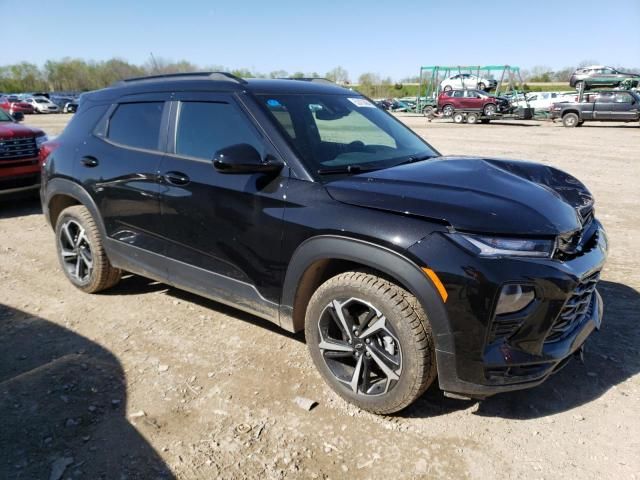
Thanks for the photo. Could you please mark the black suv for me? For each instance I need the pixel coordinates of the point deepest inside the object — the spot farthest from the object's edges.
(303, 203)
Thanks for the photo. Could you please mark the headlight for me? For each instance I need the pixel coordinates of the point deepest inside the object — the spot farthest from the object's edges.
(486, 246)
(41, 139)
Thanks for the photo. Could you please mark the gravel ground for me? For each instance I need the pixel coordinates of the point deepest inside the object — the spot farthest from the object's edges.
(146, 381)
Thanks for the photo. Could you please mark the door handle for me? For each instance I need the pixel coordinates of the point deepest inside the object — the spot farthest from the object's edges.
(176, 178)
(89, 161)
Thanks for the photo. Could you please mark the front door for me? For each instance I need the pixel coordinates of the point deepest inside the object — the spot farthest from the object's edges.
(223, 230)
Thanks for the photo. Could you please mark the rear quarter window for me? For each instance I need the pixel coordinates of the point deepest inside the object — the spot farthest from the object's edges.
(85, 120)
(136, 125)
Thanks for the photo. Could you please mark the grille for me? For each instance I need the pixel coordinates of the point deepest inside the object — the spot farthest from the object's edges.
(18, 148)
(577, 308)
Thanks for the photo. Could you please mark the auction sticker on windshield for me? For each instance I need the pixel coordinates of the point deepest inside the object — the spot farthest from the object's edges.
(361, 102)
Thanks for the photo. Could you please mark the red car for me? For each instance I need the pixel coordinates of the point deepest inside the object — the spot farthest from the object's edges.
(470, 100)
(19, 149)
(13, 105)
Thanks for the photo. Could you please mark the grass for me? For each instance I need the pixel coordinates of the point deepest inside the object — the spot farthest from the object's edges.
(411, 89)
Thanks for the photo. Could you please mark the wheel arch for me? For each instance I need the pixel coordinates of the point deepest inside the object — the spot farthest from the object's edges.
(61, 193)
(322, 257)
(571, 111)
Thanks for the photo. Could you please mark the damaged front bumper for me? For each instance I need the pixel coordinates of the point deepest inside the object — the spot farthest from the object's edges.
(485, 354)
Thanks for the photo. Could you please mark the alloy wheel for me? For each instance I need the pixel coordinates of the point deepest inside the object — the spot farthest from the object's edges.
(360, 347)
(75, 251)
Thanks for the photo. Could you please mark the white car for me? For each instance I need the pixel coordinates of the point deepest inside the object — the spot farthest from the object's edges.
(544, 100)
(467, 80)
(42, 105)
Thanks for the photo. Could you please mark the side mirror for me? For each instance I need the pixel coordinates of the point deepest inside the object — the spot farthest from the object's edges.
(244, 158)
(18, 116)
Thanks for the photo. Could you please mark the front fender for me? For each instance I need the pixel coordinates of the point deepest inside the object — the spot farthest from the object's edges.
(404, 271)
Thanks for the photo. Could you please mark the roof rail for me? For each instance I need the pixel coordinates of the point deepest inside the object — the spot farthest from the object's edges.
(310, 79)
(204, 75)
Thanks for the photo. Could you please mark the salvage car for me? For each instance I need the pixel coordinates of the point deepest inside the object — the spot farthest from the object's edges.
(604, 106)
(42, 105)
(303, 203)
(471, 100)
(467, 80)
(12, 104)
(599, 76)
(19, 155)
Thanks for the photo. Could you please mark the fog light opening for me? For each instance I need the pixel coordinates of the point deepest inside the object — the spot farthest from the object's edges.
(514, 297)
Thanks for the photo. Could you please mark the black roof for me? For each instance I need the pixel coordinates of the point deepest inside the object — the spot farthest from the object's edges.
(215, 81)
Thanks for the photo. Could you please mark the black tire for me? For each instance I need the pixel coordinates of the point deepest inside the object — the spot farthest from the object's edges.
(458, 117)
(472, 118)
(482, 86)
(579, 84)
(490, 109)
(570, 120)
(366, 301)
(485, 120)
(448, 110)
(428, 111)
(447, 88)
(81, 253)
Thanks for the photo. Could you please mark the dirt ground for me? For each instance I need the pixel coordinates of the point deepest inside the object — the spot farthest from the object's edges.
(146, 381)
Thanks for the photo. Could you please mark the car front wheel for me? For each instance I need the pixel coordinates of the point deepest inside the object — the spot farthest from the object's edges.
(490, 109)
(80, 251)
(371, 341)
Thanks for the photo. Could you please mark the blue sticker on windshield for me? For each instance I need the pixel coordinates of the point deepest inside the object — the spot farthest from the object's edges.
(273, 103)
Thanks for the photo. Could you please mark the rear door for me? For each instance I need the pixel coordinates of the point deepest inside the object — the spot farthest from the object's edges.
(119, 166)
(603, 108)
(223, 230)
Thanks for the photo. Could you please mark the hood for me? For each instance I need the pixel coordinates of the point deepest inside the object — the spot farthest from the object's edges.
(474, 194)
(10, 130)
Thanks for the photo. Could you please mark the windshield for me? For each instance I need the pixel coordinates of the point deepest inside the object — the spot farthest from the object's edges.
(340, 131)
(4, 117)
(42, 100)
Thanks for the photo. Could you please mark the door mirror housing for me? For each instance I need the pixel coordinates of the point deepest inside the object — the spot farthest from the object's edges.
(18, 116)
(244, 158)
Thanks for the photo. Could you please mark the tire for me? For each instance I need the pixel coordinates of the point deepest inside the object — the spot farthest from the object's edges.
(485, 120)
(400, 339)
(448, 110)
(570, 120)
(81, 253)
(458, 117)
(482, 86)
(428, 111)
(447, 88)
(490, 109)
(472, 118)
(579, 84)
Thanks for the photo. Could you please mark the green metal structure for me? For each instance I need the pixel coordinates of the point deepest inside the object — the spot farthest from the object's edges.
(508, 80)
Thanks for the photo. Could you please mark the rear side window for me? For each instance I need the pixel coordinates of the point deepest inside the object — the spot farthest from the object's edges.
(206, 127)
(136, 125)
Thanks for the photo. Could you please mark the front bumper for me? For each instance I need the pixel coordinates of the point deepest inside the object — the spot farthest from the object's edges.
(473, 360)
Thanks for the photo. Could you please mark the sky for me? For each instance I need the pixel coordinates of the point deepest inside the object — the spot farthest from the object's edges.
(389, 38)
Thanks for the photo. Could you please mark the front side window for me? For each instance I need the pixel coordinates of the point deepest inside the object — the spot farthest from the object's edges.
(206, 127)
(623, 97)
(339, 131)
(136, 125)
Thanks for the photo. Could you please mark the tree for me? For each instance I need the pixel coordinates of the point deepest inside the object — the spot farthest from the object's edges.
(279, 74)
(297, 75)
(338, 75)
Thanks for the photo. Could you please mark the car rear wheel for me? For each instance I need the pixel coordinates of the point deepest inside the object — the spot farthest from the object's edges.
(80, 251)
(490, 109)
(570, 120)
(428, 111)
(579, 85)
(482, 86)
(371, 341)
(447, 88)
(448, 110)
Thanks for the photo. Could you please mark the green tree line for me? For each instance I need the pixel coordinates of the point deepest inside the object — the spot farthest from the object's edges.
(70, 74)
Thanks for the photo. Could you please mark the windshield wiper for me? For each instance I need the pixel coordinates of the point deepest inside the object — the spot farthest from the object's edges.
(345, 169)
